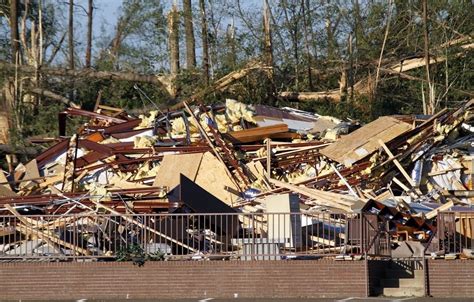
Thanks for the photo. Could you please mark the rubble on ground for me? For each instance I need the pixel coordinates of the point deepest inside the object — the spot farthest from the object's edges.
(239, 158)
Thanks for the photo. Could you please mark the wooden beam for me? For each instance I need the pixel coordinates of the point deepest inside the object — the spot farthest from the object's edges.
(332, 201)
(141, 225)
(444, 207)
(29, 230)
(258, 133)
(269, 158)
(397, 163)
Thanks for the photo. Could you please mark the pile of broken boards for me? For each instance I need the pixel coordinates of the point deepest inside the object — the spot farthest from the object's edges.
(236, 158)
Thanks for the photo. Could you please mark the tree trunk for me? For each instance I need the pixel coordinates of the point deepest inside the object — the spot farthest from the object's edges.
(205, 42)
(358, 26)
(268, 51)
(14, 38)
(71, 34)
(231, 58)
(189, 33)
(431, 101)
(351, 67)
(173, 39)
(71, 44)
(222, 83)
(54, 96)
(89, 33)
(293, 30)
(306, 44)
(329, 33)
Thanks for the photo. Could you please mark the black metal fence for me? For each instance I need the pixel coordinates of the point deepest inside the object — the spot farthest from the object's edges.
(262, 236)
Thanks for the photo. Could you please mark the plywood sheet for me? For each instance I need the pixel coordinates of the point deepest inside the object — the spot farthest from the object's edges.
(5, 189)
(213, 177)
(364, 141)
(173, 165)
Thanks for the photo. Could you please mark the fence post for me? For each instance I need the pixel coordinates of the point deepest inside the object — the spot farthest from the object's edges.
(367, 277)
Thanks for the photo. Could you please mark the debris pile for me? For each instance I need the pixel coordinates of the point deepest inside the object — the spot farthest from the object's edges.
(239, 160)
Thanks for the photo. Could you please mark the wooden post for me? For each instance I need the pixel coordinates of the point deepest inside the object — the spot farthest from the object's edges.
(269, 158)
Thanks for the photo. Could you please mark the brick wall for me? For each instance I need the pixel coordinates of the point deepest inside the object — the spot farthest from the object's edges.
(451, 278)
(187, 279)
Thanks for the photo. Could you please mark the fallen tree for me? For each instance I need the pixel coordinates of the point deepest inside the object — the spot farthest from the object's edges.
(49, 94)
(164, 81)
(363, 86)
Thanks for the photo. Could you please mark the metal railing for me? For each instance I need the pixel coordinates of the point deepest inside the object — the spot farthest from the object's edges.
(455, 232)
(266, 236)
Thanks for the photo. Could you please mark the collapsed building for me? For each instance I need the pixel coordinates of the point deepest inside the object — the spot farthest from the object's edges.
(238, 181)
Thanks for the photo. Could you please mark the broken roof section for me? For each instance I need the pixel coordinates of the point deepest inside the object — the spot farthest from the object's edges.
(364, 141)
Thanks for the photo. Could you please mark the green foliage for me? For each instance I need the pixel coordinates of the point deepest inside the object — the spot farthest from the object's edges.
(137, 255)
(235, 37)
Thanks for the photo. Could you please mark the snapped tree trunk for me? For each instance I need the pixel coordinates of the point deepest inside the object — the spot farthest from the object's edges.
(430, 108)
(268, 51)
(173, 39)
(205, 42)
(329, 34)
(231, 59)
(161, 80)
(89, 33)
(189, 34)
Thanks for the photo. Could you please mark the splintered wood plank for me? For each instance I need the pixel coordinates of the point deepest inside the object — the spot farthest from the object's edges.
(31, 172)
(364, 141)
(173, 165)
(258, 133)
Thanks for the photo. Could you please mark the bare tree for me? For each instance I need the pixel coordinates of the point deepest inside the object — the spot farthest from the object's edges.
(189, 34)
(15, 44)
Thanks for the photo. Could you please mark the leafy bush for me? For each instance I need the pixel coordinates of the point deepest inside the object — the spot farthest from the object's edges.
(137, 255)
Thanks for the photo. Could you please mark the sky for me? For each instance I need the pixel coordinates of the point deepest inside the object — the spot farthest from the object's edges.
(106, 14)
